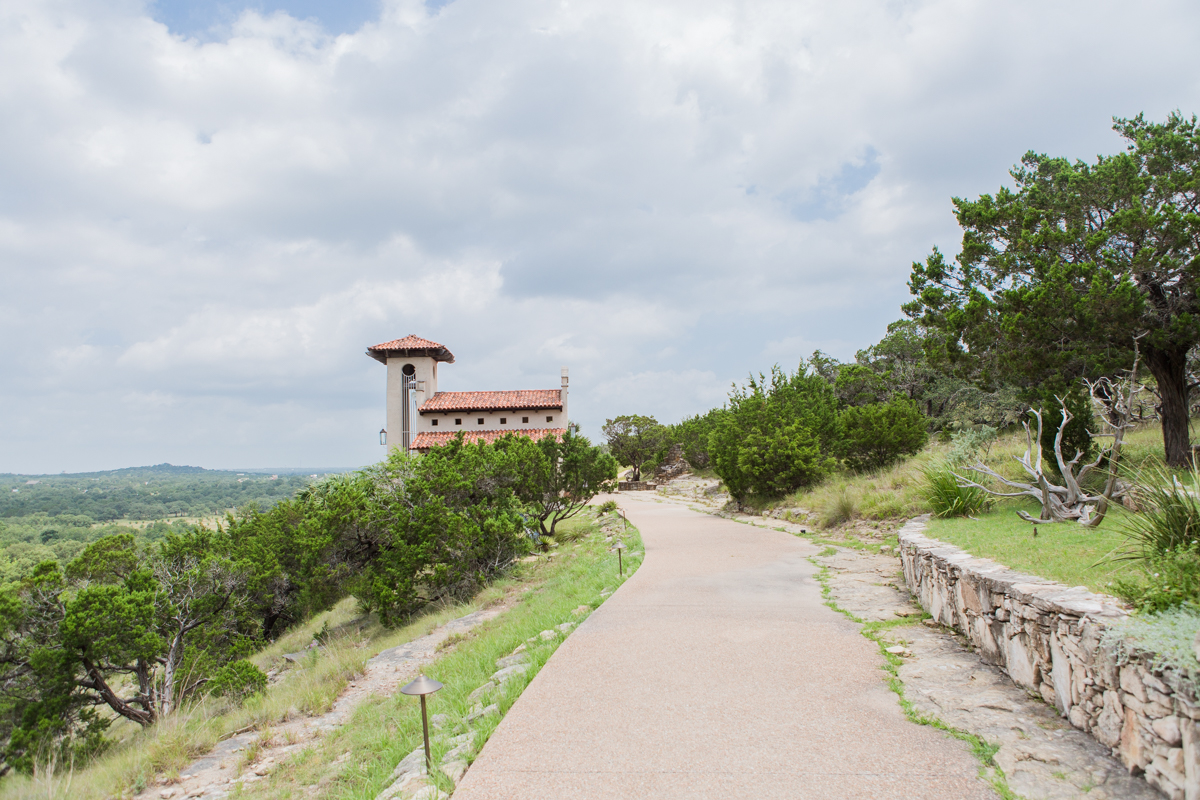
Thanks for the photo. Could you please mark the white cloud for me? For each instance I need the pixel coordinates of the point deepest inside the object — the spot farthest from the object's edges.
(665, 196)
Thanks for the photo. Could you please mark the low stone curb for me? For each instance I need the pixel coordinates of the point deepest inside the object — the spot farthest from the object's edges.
(1046, 637)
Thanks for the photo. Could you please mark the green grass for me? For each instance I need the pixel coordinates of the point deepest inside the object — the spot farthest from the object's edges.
(138, 756)
(380, 733)
(1065, 552)
(889, 493)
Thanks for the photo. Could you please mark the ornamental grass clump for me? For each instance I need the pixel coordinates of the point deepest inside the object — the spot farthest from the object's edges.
(841, 507)
(1170, 515)
(946, 498)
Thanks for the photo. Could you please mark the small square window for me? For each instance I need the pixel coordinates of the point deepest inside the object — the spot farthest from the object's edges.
(504, 420)
(525, 419)
(433, 422)
(458, 420)
(549, 419)
(481, 420)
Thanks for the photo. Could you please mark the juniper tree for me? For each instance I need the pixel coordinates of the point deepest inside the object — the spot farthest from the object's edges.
(1058, 274)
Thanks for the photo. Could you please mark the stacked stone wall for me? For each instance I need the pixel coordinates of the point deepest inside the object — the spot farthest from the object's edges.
(1047, 637)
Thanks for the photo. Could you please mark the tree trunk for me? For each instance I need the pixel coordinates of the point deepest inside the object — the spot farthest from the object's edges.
(166, 703)
(95, 681)
(269, 621)
(1169, 367)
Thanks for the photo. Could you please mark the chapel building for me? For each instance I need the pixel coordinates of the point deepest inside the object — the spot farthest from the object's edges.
(420, 417)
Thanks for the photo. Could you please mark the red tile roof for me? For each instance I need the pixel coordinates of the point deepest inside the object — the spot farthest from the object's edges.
(428, 439)
(412, 346)
(492, 401)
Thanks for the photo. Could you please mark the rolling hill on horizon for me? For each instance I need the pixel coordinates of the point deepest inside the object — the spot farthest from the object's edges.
(160, 491)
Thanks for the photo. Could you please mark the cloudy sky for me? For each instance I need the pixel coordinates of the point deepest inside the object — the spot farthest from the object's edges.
(209, 209)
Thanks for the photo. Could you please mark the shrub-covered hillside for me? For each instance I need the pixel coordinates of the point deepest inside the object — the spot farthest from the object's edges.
(143, 493)
(128, 626)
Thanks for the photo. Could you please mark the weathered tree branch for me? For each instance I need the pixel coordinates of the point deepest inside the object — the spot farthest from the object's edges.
(1071, 501)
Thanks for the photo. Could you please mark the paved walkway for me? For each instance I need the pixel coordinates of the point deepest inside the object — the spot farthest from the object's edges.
(716, 672)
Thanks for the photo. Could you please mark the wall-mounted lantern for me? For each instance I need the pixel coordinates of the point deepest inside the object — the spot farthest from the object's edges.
(383, 435)
(421, 687)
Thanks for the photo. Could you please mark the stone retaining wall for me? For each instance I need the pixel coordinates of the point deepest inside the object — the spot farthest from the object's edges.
(1046, 636)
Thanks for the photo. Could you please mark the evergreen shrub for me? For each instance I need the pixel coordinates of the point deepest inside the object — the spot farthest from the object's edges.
(777, 435)
(237, 681)
(880, 433)
(1077, 437)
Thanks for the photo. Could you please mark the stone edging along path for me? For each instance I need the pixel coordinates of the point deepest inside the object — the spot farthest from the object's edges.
(1047, 638)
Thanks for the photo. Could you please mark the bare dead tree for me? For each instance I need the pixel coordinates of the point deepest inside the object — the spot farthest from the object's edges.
(1070, 501)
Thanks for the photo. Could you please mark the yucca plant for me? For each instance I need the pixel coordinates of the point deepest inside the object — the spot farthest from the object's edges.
(1165, 541)
(946, 498)
(1169, 521)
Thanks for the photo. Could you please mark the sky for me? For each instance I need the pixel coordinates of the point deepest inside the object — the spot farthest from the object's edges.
(208, 210)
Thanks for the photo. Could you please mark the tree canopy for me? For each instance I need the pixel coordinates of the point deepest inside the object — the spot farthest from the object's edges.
(780, 433)
(634, 440)
(118, 627)
(567, 473)
(1057, 275)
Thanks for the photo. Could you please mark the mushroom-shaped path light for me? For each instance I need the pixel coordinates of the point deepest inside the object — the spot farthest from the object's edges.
(421, 687)
(619, 546)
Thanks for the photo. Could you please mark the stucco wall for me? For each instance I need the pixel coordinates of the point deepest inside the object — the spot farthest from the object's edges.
(1046, 636)
(491, 420)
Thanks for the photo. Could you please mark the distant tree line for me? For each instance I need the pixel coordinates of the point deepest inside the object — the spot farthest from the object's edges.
(142, 494)
(143, 626)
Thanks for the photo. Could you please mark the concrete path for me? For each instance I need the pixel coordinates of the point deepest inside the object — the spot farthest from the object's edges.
(716, 672)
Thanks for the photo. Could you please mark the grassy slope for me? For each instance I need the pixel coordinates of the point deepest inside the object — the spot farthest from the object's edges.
(548, 589)
(895, 491)
(356, 761)
(1065, 552)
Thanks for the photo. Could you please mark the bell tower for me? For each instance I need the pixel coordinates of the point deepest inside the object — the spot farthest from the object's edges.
(412, 364)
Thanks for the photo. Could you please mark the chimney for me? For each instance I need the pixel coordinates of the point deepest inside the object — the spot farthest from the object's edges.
(563, 396)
